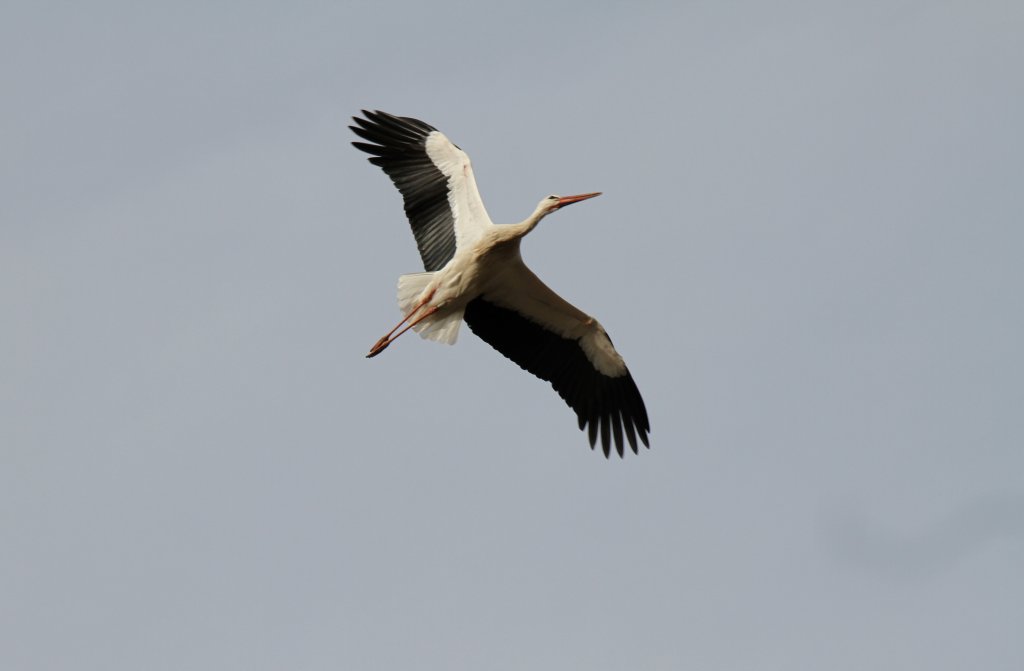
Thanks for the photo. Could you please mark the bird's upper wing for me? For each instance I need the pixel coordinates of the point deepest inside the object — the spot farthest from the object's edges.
(435, 179)
(545, 335)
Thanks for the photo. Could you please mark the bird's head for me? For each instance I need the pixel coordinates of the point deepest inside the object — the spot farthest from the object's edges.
(554, 203)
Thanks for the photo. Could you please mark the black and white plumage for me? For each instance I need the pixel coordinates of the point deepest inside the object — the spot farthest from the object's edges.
(475, 273)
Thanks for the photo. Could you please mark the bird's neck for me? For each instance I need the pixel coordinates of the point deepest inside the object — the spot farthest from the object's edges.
(517, 231)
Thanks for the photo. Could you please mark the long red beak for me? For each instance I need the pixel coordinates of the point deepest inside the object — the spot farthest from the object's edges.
(569, 200)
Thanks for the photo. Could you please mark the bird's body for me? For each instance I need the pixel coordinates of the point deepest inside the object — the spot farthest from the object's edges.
(475, 272)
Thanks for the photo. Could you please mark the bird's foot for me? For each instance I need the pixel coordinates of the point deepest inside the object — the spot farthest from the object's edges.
(378, 347)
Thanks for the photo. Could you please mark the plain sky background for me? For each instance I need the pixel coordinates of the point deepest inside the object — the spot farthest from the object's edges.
(809, 251)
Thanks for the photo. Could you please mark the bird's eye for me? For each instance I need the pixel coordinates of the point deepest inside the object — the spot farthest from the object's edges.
(552, 197)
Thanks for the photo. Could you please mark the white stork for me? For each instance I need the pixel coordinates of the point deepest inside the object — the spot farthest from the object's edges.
(475, 272)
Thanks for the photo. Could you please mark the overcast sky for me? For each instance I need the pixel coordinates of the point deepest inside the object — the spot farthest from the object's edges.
(809, 251)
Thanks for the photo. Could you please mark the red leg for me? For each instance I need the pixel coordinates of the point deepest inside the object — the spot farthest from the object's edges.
(383, 343)
(379, 346)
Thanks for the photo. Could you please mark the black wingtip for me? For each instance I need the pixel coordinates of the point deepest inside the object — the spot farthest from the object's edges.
(362, 121)
(606, 438)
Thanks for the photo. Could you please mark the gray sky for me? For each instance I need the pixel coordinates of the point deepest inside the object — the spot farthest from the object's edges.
(809, 252)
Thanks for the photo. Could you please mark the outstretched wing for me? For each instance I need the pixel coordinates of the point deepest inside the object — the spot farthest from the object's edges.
(545, 335)
(435, 179)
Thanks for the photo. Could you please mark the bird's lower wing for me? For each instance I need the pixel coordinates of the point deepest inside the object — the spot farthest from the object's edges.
(545, 335)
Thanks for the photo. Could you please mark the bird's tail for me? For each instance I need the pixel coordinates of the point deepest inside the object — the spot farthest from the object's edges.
(442, 326)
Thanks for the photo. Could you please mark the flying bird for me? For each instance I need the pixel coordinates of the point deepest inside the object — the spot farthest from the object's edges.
(474, 272)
